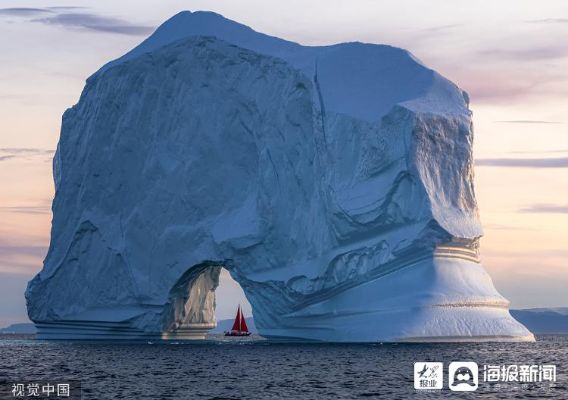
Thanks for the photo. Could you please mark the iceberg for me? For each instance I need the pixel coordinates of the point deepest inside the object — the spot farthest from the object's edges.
(334, 183)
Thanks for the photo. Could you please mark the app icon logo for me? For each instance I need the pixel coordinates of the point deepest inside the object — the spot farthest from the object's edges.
(463, 376)
(428, 375)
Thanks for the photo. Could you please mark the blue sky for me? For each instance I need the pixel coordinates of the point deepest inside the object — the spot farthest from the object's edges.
(510, 55)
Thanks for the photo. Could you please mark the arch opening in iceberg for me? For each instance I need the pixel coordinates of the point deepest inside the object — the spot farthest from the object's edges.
(190, 310)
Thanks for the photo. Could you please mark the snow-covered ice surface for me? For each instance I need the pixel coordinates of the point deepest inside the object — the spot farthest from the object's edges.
(334, 183)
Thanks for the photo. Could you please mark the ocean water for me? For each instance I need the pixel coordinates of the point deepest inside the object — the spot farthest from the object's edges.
(259, 369)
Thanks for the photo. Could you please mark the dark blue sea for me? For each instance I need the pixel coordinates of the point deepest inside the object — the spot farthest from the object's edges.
(258, 369)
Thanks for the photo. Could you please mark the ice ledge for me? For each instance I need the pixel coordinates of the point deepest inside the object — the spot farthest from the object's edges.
(104, 330)
(413, 324)
(466, 339)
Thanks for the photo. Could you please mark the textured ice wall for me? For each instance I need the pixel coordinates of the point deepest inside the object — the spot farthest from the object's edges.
(336, 186)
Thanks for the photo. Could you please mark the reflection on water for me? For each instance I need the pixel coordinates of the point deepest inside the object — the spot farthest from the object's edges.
(255, 368)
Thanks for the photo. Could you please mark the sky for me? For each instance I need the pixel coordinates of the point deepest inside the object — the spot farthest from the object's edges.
(511, 56)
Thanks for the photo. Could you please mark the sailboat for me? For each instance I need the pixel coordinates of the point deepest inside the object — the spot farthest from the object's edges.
(239, 326)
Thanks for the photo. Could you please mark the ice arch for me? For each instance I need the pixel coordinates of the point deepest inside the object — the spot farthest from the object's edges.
(190, 310)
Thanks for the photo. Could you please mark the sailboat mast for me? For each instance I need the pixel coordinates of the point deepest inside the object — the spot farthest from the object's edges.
(240, 318)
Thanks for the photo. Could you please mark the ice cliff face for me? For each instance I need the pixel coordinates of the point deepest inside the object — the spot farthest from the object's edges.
(335, 184)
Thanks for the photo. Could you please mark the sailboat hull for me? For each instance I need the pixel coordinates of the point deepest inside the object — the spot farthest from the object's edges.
(237, 333)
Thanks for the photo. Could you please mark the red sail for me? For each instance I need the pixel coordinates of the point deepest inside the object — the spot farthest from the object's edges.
(237, 323)
(244, 327)
(240, 324)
